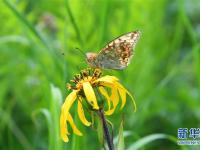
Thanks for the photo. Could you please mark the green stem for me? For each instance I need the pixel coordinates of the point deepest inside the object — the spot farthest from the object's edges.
(106, 130)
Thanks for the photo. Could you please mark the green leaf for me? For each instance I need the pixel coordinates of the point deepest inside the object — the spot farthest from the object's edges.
(47, 115)
(14, 39)
(100, 131)
(150, 138)
(120, 143)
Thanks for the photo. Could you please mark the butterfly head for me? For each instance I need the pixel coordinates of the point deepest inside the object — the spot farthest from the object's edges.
(90, 57)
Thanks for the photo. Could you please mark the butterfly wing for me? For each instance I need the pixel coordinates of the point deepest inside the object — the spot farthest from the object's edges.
(118, 53)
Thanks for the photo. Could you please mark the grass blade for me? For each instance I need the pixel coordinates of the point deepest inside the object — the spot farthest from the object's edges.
(72, 19)
(23, 19)
(120, 144)
(150, 138)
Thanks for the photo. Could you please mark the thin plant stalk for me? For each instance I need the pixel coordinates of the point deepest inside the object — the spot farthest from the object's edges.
(107, 135)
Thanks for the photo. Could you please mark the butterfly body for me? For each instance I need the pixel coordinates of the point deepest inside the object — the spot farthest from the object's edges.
(115, 55)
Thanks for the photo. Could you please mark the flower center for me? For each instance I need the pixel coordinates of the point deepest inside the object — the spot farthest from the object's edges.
(86, 75)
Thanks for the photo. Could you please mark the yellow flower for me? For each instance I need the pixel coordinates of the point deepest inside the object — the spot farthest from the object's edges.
(84, 87)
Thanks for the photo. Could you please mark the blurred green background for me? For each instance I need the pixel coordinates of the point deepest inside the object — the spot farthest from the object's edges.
(38, 57)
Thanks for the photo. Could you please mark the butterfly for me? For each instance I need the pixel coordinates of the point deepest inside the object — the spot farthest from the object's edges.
(116, 54)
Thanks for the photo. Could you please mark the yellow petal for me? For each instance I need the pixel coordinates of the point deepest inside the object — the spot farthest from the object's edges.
(122, 93)
(112, 86)
(74, 128)
(90, 95)
(107, 78)
(115, 99)
(81, 113)
(107, 84)
(122, 88)
(105, 94)
(63, 129)
(133, 101)
(64, 113)
(68, 102)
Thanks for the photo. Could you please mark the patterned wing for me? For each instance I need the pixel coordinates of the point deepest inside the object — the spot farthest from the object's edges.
(117, 54)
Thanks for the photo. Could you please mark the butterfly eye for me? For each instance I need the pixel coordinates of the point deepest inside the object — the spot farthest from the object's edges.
(88, 55)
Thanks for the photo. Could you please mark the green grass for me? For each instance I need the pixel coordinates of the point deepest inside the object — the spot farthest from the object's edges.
(164, 75)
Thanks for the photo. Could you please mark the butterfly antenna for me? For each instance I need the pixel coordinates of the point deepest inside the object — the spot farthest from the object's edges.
(81, 51)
